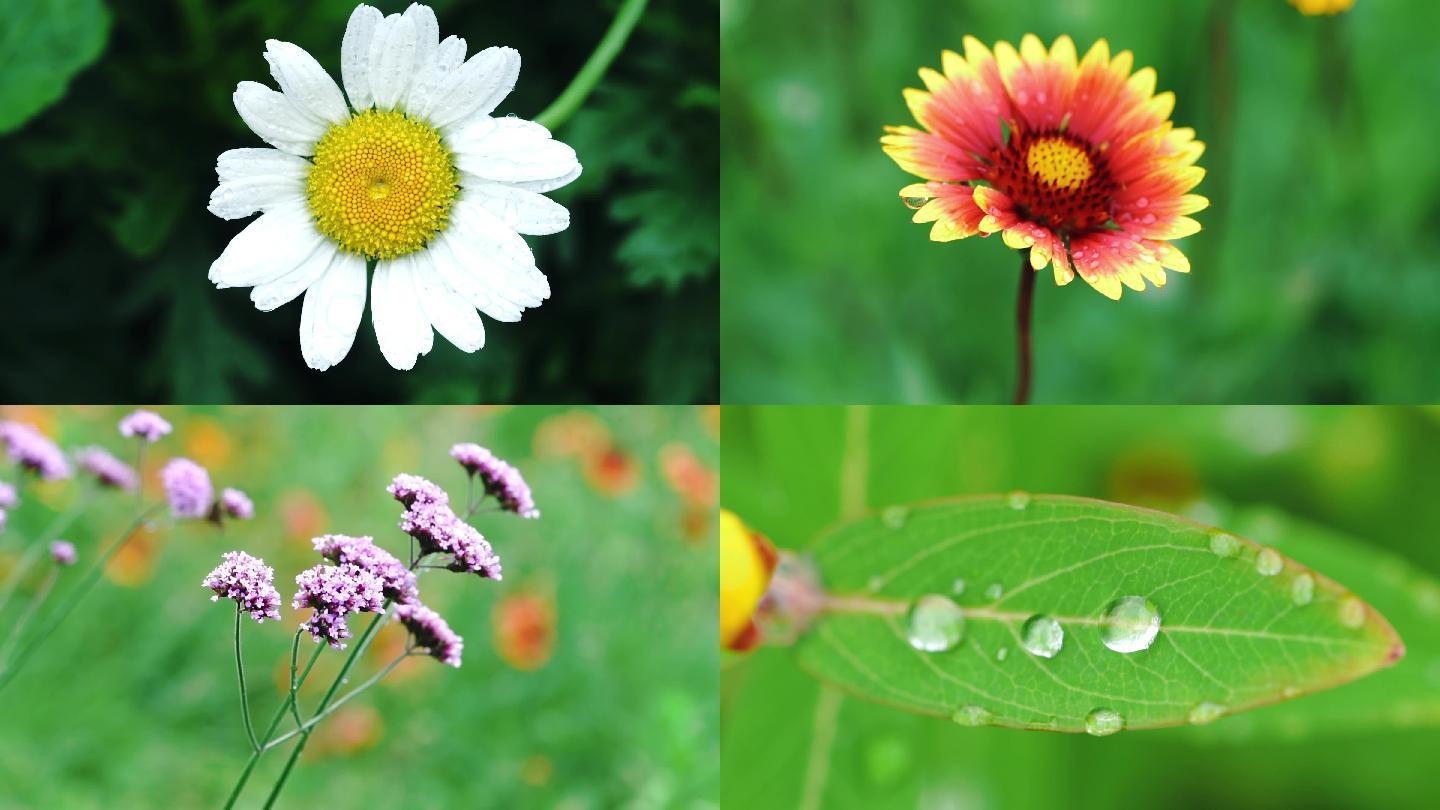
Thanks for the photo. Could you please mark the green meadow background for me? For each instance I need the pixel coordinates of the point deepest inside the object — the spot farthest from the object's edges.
(597, 690)
(1315, 277)
(1268, 473)
(112, 113)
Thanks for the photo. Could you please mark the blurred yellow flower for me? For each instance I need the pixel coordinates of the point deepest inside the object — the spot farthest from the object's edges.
(746, 562)
(1314, 7)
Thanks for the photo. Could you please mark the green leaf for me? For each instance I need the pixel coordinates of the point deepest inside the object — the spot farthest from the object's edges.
(1230, 637)
(43, 44)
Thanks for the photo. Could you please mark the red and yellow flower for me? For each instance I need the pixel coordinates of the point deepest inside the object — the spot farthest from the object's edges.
(1075, 159)
(747, 561)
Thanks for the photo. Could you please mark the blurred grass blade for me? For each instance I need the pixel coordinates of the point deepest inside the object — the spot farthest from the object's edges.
(1230, 637)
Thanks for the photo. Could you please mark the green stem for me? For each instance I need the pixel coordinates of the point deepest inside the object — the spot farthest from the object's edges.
(274, 721)
(244, 695)
(359, 647)
(73, 599)
(334, 707)
(30, 611)
(594, 68)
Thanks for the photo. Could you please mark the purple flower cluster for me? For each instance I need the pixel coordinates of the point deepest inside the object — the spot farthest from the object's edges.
(108, 470)
(188, 488)
(498, 477)
(399, 581)
(248, 581)
(8, 497)
(334, 592)
(62, 552)
(236, 504)
(431, 633)
(429, 519)
(30, 449)
(147, 425)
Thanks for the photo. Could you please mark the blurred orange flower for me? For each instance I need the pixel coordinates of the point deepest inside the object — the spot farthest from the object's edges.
(207, 444)
(576, 433)
(688, 475)
(613, 472)
(350, 730)
(303, 514)
(524, 629)
(134, 563)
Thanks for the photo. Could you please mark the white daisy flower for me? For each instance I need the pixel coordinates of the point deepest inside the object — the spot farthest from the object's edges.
(415, 176)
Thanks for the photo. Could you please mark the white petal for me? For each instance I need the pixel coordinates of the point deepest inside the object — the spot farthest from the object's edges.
(392, 60)
(395, 309)
(277, 119)
(331, 314)
(256, 180)
(495, 255)
(427, 43)
(306, 83)
(511, 150)
(522, 211)
(457, 276)
(476, 88)
(355, 55)
(452, 316)
(450, 55)
(268, 248)
(542, 186)
(274, 294)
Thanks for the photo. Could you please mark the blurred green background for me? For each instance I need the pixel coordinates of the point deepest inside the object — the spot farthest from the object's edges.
(590, 672)
(1269, 473)
(112, 113)
(1315, 276)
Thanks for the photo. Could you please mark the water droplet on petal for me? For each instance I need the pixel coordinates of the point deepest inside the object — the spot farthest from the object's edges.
(958, 587)
(1018, 500)
(1042, 636)
(1224, 545)
(916, 202)
(971, 715)
(1142, 202)
(1352, 612)
(1103, 722)
(1268, 562)
(995, 591)
(935, 624)
(894, 517)
(1001, 653)
(1206, 712)
(1131, 624)
(1302, 590)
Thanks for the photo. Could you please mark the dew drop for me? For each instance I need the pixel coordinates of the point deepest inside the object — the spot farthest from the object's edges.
(1042, 636)
(971, 715)
(1018, 500)
(1268, 562)
(995, 591)
(1224, 545)
(1142, 202)
(875, 583)
(935, 624)
(1352, 612)
(1290, 691)
(1103, 722)
(916, 202)
(958, 586)
(1131, 624)
(1001, 653)
(1302, 590)
(895, 516)
(1206, 712)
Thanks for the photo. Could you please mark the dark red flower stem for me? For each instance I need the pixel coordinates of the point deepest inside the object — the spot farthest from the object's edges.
(1022, 330)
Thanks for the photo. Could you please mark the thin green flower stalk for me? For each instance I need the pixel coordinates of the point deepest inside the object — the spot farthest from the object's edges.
(568, 102)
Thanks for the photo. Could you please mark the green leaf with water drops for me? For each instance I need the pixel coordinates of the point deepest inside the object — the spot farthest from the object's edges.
(43, 44)
(1069, 614)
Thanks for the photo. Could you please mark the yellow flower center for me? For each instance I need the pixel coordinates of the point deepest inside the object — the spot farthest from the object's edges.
(382, 184)
(1059, 163)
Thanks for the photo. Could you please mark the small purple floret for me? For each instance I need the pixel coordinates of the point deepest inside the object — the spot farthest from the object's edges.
(108, 470)
(498, 477)
(188, 488)
(399, 581)
(30, 449)
(147, 425)
(334, 592)
(439, 531)
(9, 499)
(237, 504)
(62, 552)
(431, 633)
(412, 489)
(248, 581)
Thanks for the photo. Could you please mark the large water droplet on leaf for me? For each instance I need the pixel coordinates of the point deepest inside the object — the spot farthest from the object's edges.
(1206, 712)
(1018, 499)
(1131, 624)
(1103, 722)
(1302, 590)
(1224, 545)
(935, 624)
(1042, 636)
(971, 716)
(1268, 562)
